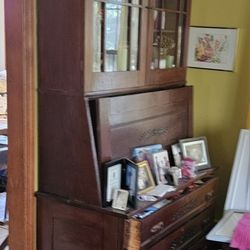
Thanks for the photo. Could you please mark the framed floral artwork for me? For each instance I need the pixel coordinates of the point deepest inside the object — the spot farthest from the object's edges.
(212, 48)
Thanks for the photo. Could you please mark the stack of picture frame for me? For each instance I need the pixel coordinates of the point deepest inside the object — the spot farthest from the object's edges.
(124, 179)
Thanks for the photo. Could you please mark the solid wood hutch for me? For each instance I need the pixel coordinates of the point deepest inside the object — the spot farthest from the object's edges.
(112, 77)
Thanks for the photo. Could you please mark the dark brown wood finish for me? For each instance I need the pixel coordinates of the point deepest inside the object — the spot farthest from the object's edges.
(129, 121)
(64, 227)
(88, 118)
(179, 224)
(67, 155)
(21, 68)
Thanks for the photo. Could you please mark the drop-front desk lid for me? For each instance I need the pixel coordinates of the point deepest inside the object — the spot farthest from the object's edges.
(238, 194)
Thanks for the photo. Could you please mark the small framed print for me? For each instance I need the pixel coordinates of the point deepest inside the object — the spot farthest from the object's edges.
(197, 150)
(161, 165)
(212, 48)
(145, 178)
(120, 199)
(120, 174)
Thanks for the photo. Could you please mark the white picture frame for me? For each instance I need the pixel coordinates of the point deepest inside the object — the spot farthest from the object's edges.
(120, 199)
(196, 149)
(161, 166)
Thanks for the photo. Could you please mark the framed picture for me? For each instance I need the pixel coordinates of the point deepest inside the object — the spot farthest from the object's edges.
(145, 180)
(120, 199)
(145, 153)
(196, 149)
(130, 171)
(120, 174)
(112, 180)
(161, 165)
(212, 48)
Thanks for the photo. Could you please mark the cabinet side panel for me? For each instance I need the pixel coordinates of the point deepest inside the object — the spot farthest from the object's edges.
(67, 165)
(60, 44)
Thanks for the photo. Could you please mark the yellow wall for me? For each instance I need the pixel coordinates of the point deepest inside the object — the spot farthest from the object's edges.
(221, 98)
(2, 36)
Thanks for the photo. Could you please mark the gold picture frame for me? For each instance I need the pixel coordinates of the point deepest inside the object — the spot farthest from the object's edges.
(145, 179)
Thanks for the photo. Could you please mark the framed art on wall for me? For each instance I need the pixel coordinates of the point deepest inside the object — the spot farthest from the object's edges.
(212, 48)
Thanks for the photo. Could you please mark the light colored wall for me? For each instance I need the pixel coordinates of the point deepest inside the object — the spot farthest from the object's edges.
(2, 37)
(221, 99)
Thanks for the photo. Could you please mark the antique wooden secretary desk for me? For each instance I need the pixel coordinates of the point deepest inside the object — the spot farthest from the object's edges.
(112, 77)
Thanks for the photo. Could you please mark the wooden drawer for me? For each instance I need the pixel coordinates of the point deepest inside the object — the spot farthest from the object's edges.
(186, 236)
(172, 216)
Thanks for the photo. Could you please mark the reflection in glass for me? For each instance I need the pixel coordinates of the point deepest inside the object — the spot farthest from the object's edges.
(120, 39)
(97, 19)
(134, 39)
(164, 40)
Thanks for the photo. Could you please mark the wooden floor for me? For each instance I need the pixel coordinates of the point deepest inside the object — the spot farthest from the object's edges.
(3, 234)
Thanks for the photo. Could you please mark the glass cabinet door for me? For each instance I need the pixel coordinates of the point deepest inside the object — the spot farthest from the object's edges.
(117, 46)
(168, 25)
(115, 37)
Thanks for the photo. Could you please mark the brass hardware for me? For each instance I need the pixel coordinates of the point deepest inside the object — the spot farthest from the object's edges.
(157, 227)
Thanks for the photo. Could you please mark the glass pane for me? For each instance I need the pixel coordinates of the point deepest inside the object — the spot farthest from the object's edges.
(97, 34)
(180, 44)
(183, 5)
(134, 37)
(116, 36)
(164, 40)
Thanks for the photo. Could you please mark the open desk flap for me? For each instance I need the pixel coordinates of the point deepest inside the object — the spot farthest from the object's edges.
(238, 194)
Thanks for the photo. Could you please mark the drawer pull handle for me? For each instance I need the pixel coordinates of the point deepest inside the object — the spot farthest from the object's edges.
(209, 195)
(157, 227)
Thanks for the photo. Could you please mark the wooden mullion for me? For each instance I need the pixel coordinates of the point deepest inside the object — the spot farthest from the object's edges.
(129, 36)
(103, 7)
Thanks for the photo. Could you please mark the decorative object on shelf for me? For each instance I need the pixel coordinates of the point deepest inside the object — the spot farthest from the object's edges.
(188, 168)
(120, 174)
(165, 44)
(176, 174)
(145, 178)
(212, 48)
(197, 150)
(176, 152)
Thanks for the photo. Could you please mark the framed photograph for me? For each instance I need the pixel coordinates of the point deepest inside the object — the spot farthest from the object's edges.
(145, 153)
(120, 174)
(161, 165)
(112, 180)
(212, 48)
(120, 199)
(145, 180)
(130, 172)
(142, 153)
(197, 150)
